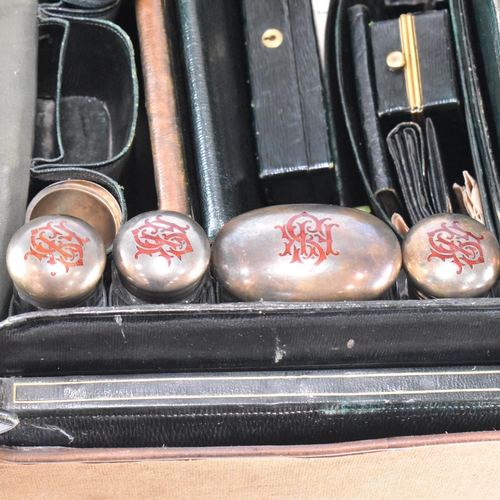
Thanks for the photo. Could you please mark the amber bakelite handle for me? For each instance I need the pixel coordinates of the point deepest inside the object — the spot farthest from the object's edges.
(168, 158)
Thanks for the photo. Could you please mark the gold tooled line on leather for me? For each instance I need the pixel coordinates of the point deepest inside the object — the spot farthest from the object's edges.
(409, 48)
(16, 385)
(260, 396)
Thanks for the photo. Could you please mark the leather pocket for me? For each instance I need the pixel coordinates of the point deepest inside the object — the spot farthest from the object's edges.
(88, 97)
(90, 9)
(417, 158)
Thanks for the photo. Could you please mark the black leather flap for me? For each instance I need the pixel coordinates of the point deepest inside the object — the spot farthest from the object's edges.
(435, 57)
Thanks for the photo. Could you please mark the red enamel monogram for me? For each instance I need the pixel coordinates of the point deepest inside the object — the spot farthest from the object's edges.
(308, 238)
(57, 244)
(451, 242)
(163, 238)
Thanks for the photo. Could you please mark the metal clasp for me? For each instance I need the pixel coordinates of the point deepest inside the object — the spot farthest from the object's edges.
(412, 65)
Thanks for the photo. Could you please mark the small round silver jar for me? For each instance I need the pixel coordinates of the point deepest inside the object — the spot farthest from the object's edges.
(451, 255)
(56, 261)
(305, 253)
(84, 200)
(161, 256)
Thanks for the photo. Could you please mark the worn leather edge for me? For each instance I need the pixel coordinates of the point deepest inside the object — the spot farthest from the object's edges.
(69, 9)
(61, 454)
(389, 306)
(173, 337)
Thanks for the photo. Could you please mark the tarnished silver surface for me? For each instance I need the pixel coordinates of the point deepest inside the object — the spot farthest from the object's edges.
(161, 256)
(451, 255)
(82, 199)
(56, 261)
(306, 253)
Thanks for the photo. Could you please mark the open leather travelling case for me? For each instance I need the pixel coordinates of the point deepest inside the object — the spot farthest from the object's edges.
(239, 101)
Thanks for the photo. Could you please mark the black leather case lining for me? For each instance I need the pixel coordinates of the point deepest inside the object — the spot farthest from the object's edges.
(277, 425)
(254, 335)
(257, 336)
(251, 336)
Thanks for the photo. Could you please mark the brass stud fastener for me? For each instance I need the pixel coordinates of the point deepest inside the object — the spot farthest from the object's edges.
(272, 38)
(396, 60)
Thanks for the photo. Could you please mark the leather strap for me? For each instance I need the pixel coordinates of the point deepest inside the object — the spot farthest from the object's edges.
(39, 455)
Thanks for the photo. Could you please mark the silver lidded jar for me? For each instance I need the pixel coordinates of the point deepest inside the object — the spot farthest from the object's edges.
(160, 257)
(451, 255)
(306, 253)
(84, 200)
(56, 261)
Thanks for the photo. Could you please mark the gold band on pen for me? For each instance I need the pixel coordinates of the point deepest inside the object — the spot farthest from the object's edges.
(412, 66)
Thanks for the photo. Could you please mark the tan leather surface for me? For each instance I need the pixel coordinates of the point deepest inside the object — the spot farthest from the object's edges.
(400, 224)
(469, 197)
(168, 158)
(446, 466)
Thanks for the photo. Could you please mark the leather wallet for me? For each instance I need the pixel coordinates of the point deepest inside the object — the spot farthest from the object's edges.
(288, 102)
(417, 159)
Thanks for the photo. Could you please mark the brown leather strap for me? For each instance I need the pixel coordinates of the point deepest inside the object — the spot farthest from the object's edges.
(168, 158)
(59, 454)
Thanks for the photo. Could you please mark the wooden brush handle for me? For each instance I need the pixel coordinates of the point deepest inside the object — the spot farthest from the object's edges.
(169, 165)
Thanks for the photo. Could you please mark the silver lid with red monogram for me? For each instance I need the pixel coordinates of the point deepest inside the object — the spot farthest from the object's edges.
(84, 200)
(306, 253)
(161, 256)
(56, 261)
(451, 255)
